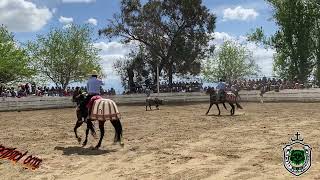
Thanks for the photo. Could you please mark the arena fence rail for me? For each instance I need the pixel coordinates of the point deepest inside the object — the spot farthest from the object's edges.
(45, 102)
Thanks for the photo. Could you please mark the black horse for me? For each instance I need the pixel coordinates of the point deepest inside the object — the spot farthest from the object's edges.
(229, 98)
(153, 102)
(82, 114)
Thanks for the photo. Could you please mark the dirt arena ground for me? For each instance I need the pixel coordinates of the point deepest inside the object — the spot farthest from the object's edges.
(176, 142)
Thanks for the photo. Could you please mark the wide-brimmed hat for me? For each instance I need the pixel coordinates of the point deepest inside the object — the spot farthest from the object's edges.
(94, 73)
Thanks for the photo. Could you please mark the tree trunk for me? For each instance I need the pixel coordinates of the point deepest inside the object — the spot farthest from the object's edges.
(130, 82)
(318, 72)
(170, 74)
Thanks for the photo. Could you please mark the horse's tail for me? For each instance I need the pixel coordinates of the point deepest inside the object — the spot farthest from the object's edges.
(238, 105)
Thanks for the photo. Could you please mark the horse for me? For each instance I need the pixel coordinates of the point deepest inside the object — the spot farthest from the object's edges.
(153, 101)
(229, 98)
(102, 110)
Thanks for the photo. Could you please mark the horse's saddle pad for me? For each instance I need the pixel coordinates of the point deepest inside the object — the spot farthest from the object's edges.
(104, 109)
(231, 97)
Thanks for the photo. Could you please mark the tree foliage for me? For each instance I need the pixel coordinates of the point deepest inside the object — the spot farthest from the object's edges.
(65, 55)
(134, 69)
(14, 61)
(231, 61)
(293, 41)
(175, 32)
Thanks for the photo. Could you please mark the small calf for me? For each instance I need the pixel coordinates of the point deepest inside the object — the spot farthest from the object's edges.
(153, 102)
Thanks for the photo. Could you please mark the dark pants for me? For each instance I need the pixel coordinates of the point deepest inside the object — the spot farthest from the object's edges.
(221, 94)
(87, 100)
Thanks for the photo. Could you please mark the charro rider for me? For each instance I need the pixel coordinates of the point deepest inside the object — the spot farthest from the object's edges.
(93, 87)
(221, 89)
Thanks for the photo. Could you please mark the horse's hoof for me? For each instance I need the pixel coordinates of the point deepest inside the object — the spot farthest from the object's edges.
(94, 135)
(79, 140)
(97, 147)
(121, 144)
(84, 144)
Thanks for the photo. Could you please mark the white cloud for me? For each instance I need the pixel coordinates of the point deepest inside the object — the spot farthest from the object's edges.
(66, 26)
(110, 53)
(114, 48)
(23, 16)
(221, 35)
(78, 1)
(239, 13)
(65, 20)
(92, 21)
(54, 10)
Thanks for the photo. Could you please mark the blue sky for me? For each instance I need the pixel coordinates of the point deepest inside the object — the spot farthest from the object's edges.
(27, 18)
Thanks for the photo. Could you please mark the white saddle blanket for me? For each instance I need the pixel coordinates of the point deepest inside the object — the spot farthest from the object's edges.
(104, 109)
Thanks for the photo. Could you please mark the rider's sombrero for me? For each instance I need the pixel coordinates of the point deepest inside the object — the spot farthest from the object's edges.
(94, 73)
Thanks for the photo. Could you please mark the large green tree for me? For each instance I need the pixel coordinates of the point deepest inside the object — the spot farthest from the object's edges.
(293, 40)
(134, 69)
(14, 61)
(175, 32)
(315, 32)
(231, 61)
(65, 55)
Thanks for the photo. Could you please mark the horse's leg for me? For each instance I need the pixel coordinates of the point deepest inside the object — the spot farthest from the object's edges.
(224, 105)
(114, 124)
(101, 127)
(218, 109)
(119, 131)
(87, 132)
(232, 109)
(209, 108)
(78, 124)
(91, 127)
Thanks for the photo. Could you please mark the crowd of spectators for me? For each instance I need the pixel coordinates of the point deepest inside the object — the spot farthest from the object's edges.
(269, 84)
(245, 84)
(28, 89)
(164, 87)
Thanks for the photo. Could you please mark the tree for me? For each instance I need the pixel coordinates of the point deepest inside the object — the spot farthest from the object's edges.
(133, 69)
(316, 40)
(293, 40)
(14, 61)
(175, 32)
(231, 61)
(65, 55)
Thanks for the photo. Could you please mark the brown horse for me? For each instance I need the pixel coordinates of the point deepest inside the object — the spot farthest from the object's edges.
(106, 109)
(228, 97)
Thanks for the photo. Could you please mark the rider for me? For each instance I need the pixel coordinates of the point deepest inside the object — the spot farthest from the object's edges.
(148, 92)
(221, 89)
(93, 87)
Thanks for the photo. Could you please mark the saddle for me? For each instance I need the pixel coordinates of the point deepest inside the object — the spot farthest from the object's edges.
(89, 105)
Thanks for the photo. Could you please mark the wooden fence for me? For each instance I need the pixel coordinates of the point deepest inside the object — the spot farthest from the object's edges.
(32, 103)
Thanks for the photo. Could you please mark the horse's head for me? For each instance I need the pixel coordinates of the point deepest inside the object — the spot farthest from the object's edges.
(211, 90)
(80, 98)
